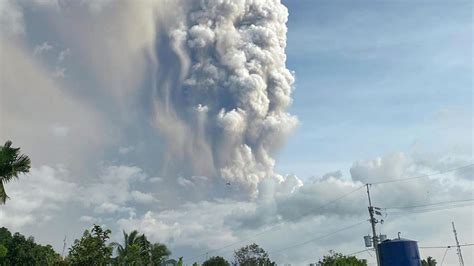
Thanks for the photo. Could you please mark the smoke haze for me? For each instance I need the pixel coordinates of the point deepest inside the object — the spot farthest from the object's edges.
(220, 89)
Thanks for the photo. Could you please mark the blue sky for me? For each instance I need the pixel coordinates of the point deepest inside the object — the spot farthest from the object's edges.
(373, 78)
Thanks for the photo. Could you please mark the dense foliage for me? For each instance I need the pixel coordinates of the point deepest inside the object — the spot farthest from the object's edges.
(337, 259)
(252, 255)
(12, 164)
(16, 249)
(429, 262)
(91, 249)
(216, 261)
(137, 250)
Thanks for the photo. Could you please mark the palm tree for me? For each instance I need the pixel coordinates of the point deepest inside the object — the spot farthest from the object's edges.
(12, 163)
(135, 249)
(159, 253)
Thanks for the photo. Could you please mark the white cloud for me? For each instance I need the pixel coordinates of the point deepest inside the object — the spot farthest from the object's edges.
(184, 182)
(89, 219)
(45, 191)
(155, 179)
(41, 48)
(388, 167)
(141, 197)
(112, 188)
(125, 150)
(36, 196)
(307, 200)
(63, 54)
(109, 208)
(193, 224)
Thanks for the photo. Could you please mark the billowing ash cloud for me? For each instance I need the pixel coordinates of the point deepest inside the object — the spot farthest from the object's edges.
(220, 88)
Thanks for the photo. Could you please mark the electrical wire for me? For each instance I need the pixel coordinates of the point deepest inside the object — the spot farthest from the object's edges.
(275, 227)
(440, 208)
(444, 256)
(451, 246)
(319, 237)
(421, 176)
(426, 205)
(360, 251)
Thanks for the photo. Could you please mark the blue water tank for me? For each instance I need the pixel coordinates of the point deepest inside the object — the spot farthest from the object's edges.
(399, 252)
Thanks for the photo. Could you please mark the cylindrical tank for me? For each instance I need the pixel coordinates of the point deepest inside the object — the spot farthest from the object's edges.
(368, 241)
(398, 252)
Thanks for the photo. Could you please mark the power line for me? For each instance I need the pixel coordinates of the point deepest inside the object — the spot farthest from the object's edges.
(432, 204)
(444, 256)
(274, 228)
(360, 251)
(441, 208)
(422, 176)
(319, 237)
(450, 246)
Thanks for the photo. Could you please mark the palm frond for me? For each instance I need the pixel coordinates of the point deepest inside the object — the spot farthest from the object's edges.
(132, 238)
(3, 194)
(12, 164)
(20, 165)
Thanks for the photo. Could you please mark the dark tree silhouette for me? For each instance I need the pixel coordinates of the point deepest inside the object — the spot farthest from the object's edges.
(429, 262)
(216, 261)
(252, 255)
(337, 259)
(12, 164)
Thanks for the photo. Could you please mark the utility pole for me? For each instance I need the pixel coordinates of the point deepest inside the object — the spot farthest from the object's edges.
(64, 247)
(461, 261)
(373, 221)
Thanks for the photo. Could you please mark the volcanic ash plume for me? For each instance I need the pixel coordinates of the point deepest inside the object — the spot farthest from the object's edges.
(221, 88)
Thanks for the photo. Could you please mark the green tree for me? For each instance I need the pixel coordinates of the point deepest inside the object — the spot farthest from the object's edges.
(159, 254)
(16, 249)
(337, 259)
(429, 262)
(195, 264)
(3, 253)
(5, 236)
(12, 164)
(216, 261)
(252, 255)
(45, 255)
(91, 249)
(135, 249)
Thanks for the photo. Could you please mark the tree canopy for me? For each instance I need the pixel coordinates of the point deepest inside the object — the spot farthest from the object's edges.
(337, 259)
(252, 255)
(429, 262)
(137, 250)
(16, 249)
(216, 261)
(92, 248)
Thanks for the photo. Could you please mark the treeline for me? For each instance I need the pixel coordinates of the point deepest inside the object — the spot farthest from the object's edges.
(95, 248)
(16, 249)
